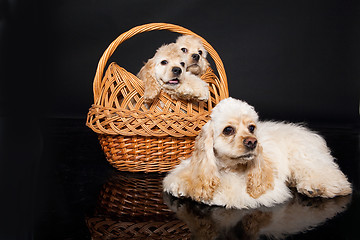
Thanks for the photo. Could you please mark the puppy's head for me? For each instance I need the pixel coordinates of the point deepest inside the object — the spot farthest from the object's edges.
(169, 66)
(163, 71)
(194, 53)
(234, 128)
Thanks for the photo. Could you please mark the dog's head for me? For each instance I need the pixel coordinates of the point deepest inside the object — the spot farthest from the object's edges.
(164, 71)
(228, 141)
(234, 132)
(169, 66)
(194, 53)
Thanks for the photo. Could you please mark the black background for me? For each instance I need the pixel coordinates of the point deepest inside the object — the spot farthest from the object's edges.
(293, 60)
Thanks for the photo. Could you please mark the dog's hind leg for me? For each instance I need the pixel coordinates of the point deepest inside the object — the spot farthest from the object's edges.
(313, 170)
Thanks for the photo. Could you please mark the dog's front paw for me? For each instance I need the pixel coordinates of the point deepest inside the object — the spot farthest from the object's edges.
(173, 185)
(204, 96)
(149, 99)
(203, 189)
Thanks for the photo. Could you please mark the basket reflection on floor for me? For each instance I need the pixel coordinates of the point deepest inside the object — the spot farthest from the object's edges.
(131, 206)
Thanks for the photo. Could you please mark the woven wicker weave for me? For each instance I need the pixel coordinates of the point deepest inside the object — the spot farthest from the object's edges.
(131, 206)
(128, 195)
(138, 139)
(103, 228)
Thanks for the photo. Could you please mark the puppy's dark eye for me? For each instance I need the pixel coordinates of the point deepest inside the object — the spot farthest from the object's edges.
(164, 62)
(228, 131)
(182, 64)
(252, 128)
(200, 52)
(184, 50)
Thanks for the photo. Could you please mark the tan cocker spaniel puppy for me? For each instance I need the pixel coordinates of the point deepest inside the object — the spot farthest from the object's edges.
(240, 162)
(194, 53)
(166, 71)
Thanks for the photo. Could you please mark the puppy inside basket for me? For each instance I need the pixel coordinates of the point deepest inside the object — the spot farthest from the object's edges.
(176, 69)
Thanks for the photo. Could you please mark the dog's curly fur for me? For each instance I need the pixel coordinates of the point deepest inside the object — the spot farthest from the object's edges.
(241, 162)
(194, 53)
(166, 71)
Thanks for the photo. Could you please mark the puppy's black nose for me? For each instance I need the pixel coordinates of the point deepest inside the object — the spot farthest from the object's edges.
(195, 56)
(176, 70)
(250, 143)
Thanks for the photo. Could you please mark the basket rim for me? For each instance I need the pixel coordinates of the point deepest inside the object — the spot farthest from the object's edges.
(146, 28)
(97, 112)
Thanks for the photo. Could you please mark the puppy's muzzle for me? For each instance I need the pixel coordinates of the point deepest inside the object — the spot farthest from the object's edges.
(250, 143)
(195, 57)
(176, 71)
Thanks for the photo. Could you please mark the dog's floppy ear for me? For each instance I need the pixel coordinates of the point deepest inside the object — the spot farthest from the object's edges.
(260, 177)
(205, 66)
(204, 175)
(151, 86)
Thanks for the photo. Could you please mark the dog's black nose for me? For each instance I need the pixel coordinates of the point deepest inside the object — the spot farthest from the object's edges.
(176, 70)
(250, 142)
(195, 56)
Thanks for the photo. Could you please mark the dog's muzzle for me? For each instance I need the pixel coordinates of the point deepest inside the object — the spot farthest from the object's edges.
(194, 68)
(176, 71)
(245, 157)
(250, 143)
(195, 57)
(174, 81)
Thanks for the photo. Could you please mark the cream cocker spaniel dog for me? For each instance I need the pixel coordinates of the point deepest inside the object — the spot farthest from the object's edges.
(166, 71)
(240, 162)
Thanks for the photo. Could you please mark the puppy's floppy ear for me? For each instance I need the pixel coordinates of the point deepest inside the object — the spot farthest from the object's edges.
(260, 177)
(151, 86)
(204, 175)
(206, 65)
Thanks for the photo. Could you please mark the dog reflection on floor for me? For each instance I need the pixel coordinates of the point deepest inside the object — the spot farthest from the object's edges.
(298, 215)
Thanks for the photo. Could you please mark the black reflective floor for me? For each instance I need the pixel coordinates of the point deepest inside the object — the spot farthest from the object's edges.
(80, 196)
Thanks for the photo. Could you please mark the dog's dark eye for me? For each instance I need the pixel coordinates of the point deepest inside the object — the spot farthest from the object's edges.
(164, 62)
(252, 128)
(200, 52)
(182, 64)
(184, 50)
(228, 131)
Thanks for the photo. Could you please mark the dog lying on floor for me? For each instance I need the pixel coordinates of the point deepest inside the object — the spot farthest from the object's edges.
(240, 162)
(166, 71)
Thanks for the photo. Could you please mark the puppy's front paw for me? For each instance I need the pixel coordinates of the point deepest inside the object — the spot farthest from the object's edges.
(204, 96)
(149, 97)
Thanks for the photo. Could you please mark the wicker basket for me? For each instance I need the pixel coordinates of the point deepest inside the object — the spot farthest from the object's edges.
(138, 139)
(131, 206)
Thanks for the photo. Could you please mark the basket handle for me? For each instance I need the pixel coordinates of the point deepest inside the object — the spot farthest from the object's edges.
(151, 27)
